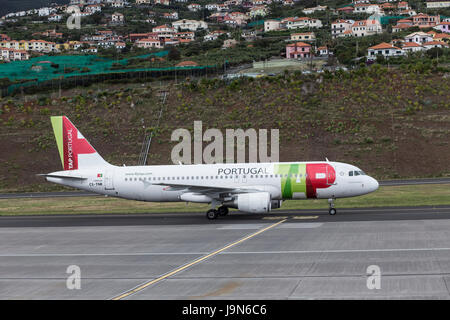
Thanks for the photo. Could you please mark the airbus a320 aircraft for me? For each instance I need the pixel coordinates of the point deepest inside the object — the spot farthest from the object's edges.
(249, 187)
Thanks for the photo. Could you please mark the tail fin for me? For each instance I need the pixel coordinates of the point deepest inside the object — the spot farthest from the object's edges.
(75, 151)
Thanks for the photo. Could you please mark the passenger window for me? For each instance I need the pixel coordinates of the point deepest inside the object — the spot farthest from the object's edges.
(350, 173)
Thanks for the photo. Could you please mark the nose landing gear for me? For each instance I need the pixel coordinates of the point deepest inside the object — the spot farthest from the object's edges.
(332, 211)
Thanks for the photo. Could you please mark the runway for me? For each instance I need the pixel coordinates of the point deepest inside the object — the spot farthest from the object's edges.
(302, 254)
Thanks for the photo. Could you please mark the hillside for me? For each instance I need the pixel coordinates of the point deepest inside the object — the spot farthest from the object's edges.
(391, 123)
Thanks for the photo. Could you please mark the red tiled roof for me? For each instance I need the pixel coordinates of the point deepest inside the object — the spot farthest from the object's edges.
(383, 45)
(299, 44)
(187, 64)
(411, 44)
(431, 43)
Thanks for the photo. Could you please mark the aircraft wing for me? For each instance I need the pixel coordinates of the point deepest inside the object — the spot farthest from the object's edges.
(213, 191)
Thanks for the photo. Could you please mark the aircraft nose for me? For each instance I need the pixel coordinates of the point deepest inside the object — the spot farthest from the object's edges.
(373, 184)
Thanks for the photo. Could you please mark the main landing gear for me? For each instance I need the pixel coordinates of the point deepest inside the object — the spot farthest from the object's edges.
(332, 211)
(212, 214)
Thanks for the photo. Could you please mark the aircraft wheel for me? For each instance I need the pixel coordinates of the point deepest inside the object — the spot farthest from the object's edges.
(223, 211)
(332, 211)
(212, 214)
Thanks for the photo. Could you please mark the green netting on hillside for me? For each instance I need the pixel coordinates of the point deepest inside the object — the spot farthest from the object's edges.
(53, 67)
(386, 19)
(257, 23)
(46, 68)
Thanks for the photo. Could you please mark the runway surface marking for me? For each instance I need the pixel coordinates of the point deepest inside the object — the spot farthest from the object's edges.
(149, 283)
(338, 251)
(304, 217)
(38, 255)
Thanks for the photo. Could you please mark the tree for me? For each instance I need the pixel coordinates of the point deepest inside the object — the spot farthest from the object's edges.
(174, 54)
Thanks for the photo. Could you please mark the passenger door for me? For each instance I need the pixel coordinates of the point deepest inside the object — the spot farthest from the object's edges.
(109, 180)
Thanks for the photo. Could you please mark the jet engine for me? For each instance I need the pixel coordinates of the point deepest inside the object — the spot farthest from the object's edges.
(258, 202)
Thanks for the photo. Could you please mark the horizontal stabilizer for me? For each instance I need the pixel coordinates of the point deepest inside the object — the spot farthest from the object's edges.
(61, 176)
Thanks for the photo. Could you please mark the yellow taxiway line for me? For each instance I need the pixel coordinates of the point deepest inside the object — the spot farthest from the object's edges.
(149, 283)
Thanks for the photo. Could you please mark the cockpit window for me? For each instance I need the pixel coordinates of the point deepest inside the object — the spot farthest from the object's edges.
(356, 173)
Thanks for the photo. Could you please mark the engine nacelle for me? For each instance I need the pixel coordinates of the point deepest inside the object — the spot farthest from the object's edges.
(258, 202)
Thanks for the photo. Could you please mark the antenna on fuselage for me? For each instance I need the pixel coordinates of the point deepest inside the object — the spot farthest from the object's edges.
(327, 159)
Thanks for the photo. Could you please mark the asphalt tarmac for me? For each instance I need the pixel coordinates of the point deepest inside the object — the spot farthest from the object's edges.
(301, 254)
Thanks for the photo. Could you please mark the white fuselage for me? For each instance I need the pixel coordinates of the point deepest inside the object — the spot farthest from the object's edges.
(172, 182)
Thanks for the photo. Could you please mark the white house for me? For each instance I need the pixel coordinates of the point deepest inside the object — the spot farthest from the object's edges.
(118, 4)
(272, 25)
(55, 17)
(412, 47)
(191, 25)
(384, 49)
(303, 22)
(438, 4)
(340, 26)
(323, 51)
(314, 9)
(45, 12)
(148, 43)
(363, 28)
(367, 8)
(260, 11)
(434, 44)
(93, 8)
(419, 37)
(194, 7)
(117, 18)
(211, 6)
(213, 35)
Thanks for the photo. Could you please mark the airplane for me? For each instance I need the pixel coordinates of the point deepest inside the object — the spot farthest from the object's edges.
(248, 187)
